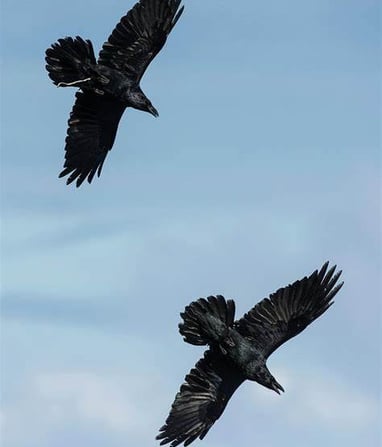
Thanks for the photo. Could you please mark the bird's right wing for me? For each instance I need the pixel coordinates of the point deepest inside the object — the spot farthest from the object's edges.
(93, 125)
(290, 310)
(201, 400)
(139, 36)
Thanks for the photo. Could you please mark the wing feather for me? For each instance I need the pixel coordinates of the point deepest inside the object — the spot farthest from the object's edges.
(201, 400)
(93, 125)
(140, 35)
(290, 310)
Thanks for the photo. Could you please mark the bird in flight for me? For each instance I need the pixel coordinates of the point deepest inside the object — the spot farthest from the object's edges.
(109, 85)
(238, 350)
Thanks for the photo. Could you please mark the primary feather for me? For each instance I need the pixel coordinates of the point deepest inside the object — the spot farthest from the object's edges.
(290, 310)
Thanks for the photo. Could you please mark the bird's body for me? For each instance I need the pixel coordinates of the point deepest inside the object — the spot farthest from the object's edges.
(108, 81)
(110, 84)
(238, 350)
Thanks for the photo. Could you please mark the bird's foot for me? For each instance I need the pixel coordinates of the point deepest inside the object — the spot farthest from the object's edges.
(68, 84)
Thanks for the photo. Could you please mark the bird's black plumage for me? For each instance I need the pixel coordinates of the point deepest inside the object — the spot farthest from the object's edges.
(238, 350)
(110, 84)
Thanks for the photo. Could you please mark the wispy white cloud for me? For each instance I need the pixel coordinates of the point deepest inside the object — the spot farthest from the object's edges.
(322, 399)
(90, 397)
(55, 402)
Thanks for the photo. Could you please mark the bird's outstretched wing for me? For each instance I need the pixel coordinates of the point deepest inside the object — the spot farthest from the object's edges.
(290, 310)
(201, 400)
(93, 125)
(139, 36)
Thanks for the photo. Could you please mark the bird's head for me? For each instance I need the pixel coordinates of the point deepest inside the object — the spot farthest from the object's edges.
(263, 376)
(140, 101)
(274, 385)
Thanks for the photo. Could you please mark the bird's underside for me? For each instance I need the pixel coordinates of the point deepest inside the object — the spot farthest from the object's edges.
(203, 397)
(110, 84)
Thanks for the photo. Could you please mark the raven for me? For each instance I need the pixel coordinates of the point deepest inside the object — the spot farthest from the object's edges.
(238, 350)
(110, 84)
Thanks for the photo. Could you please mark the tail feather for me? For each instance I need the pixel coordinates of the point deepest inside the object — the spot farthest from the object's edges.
(207, 320)
(68, 60)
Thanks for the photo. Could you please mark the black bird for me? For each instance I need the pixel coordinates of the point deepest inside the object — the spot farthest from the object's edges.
(110, 84)
(238, 350)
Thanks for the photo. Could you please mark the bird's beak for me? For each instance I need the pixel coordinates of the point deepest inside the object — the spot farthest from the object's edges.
(277, 387)
(153, 111)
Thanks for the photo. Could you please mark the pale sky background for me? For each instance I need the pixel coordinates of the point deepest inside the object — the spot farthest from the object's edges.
(263, 164)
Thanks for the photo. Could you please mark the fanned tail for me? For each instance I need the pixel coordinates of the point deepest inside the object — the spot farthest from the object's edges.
(68, 61)
(206, 321)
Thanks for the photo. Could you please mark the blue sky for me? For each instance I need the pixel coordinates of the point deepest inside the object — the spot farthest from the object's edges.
(263, 164)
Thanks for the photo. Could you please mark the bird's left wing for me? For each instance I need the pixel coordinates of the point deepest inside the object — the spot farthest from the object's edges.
(93, 124)
(201, 400)
(290, 310)
(139, 36)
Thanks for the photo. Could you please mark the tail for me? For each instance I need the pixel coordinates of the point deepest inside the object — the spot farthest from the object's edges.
(207, 320)
(68, 60)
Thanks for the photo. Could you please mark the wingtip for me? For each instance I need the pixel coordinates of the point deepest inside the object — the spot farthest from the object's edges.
(178, 14)
(160, 435)
(324, 267)
(69, 180)
(79, 181)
